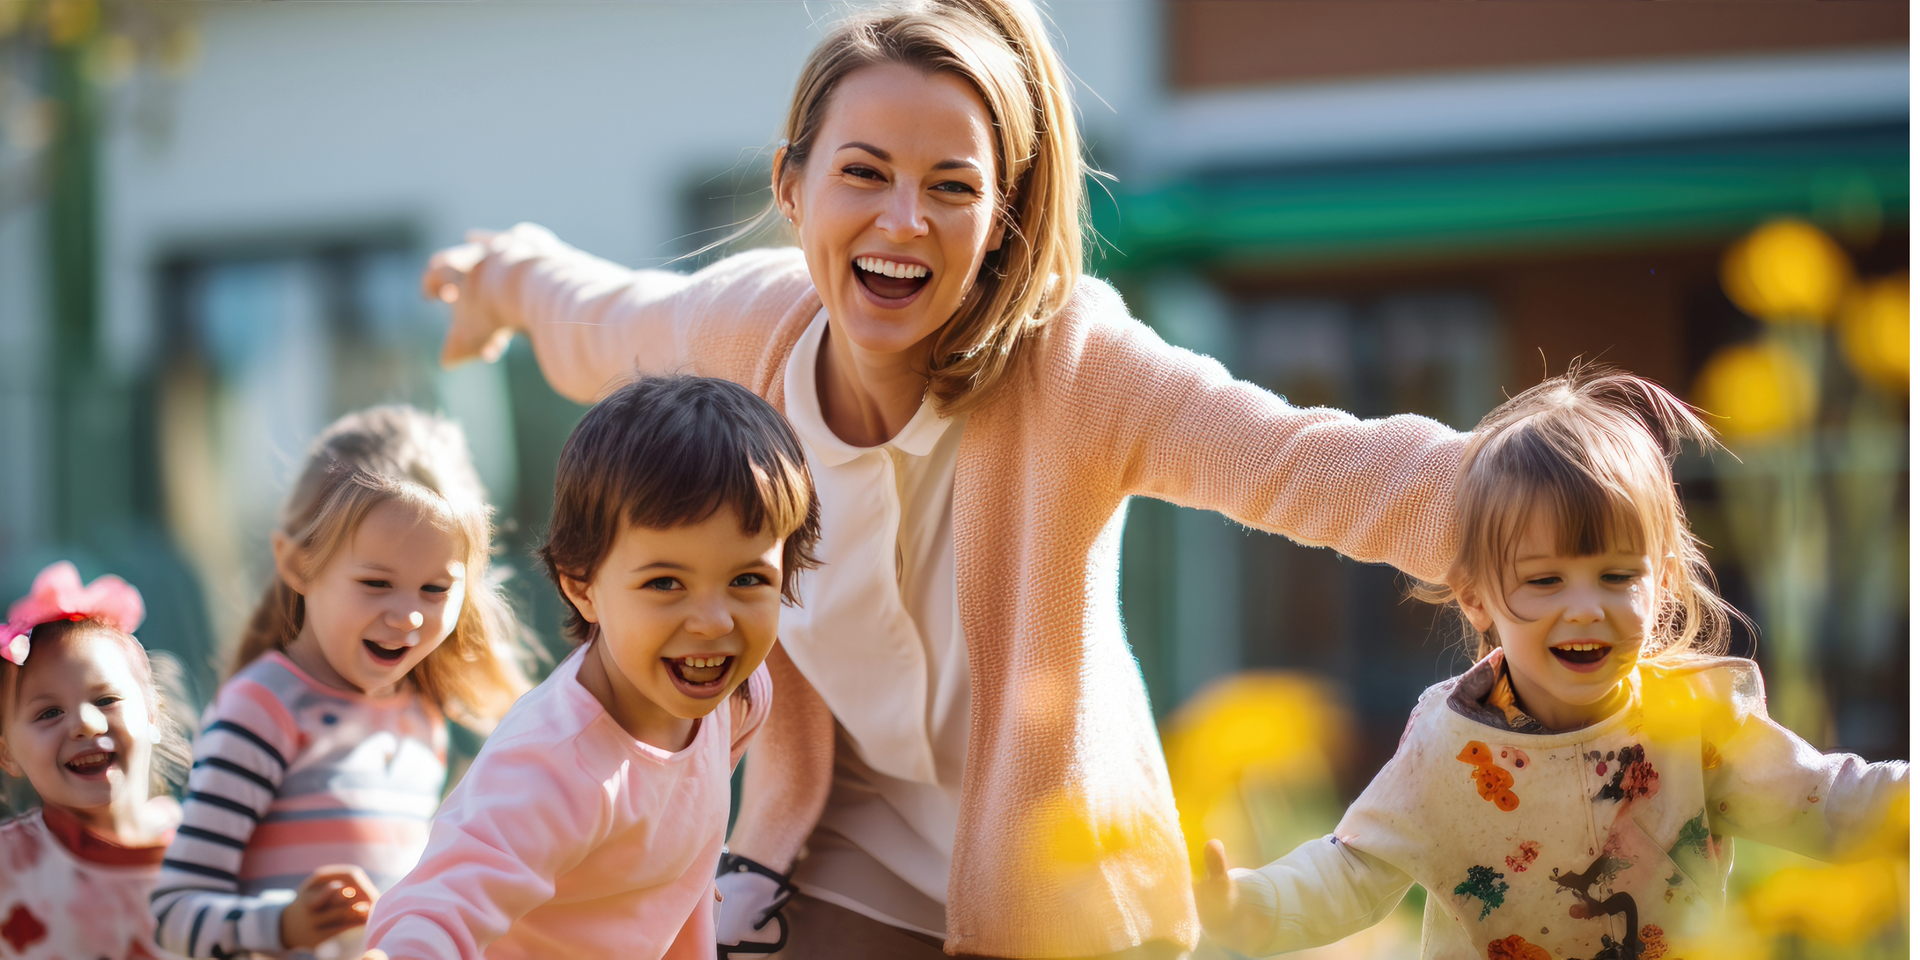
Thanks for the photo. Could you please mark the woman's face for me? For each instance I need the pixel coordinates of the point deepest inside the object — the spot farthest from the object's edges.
(897, 205)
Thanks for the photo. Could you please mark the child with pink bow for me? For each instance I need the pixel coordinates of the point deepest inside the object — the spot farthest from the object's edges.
(83, 722)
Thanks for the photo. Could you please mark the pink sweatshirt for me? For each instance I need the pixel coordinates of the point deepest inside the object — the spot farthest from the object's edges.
(569, 838)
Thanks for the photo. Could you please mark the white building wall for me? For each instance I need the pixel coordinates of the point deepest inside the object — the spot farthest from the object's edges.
(588, 118)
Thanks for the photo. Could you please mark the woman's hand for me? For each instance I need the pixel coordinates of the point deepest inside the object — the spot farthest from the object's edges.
(475, 332)
(1223, 911)
(330, 900)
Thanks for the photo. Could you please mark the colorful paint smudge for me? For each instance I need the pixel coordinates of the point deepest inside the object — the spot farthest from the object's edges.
(1493, 783)
(1486, 886)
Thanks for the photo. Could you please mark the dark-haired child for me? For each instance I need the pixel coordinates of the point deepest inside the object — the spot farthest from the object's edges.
(591, 822)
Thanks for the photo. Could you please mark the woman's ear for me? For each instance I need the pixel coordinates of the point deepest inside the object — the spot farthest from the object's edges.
(786, 192)
(9, 764)
(1475, 608)
(579, 594)
(286, 562)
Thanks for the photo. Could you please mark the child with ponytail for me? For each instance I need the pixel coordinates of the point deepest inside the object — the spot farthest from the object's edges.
(323, 757)
(1575, 794)
(83, 722)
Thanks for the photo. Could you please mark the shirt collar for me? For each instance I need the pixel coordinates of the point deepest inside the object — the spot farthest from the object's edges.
(92, 847)
(917, 438)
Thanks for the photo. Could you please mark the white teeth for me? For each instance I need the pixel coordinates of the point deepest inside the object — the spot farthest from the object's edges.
(887, 268)
(87, 758)
(1581, 647)
(702, 661)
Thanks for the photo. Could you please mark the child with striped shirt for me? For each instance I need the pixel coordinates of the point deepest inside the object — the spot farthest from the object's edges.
(323, 758)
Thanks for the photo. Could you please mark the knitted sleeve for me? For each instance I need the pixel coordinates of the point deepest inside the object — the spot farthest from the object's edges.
(1176, 426)
(239, 760)
(1321, 892)
(594, 323)
(1766, 784)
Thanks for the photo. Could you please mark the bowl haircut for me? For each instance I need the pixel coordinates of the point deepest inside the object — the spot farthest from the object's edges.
(665, 452)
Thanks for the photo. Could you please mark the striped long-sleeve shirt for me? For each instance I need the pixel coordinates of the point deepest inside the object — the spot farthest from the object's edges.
(289, 776)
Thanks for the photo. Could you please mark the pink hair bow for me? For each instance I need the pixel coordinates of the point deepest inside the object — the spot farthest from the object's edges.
(57, 594)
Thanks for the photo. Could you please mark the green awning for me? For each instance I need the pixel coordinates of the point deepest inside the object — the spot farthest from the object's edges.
(1491, 206)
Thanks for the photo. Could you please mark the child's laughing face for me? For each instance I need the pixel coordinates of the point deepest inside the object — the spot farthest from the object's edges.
(81, 727)
(686, 614)
(1572, 627)
(389, 597)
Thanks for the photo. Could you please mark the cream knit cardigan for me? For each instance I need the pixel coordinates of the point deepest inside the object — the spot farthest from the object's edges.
(1068, 843)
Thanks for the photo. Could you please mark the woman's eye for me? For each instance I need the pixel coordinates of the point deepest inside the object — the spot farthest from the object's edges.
(863, 172)
(661, 583)
(750, 580)
(955, 186)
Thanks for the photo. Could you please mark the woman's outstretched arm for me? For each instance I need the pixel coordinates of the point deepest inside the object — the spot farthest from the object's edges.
(592, 323)
(1176, 426)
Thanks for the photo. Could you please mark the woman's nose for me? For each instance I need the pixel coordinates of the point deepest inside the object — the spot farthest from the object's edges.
(904, 217)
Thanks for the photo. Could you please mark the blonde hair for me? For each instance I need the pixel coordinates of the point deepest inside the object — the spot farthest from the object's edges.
(1001, 48)
(161, 681)
(1593, 453)
(396, 454)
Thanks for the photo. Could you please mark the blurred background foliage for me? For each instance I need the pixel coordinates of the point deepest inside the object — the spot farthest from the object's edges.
(211, 216)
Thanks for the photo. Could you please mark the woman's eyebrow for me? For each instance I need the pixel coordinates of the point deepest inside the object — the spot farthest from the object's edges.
(868, 147)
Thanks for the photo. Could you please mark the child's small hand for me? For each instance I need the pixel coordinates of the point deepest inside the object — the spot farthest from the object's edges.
(1217, 897)
(332, 899)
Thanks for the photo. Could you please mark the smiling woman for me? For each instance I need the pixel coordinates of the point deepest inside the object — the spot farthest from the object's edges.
(961, 743)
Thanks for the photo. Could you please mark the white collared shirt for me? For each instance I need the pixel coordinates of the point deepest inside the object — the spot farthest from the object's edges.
(878, 634)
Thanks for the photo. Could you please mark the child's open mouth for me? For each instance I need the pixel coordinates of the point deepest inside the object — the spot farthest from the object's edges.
(891, 279)
(1582, 655)
(92, 765)
(699, 677)
(385, 654)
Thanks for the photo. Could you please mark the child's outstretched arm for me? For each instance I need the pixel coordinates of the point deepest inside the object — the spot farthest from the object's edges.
(1321, 892)
(1766, 784)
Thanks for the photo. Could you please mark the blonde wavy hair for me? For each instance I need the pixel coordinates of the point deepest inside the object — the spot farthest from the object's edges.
(1592, 452)
(1001, 48)
(397, 454)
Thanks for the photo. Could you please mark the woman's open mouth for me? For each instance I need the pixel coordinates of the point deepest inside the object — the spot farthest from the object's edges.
(385, 654)
(1582, 655)
(893, 282)
(699, 677)
(92, 765)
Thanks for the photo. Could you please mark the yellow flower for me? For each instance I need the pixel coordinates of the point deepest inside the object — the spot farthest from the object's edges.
(1761, 389)
(1787, 271)
(1841, 904)
(1274, 728)
(1874, 331)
